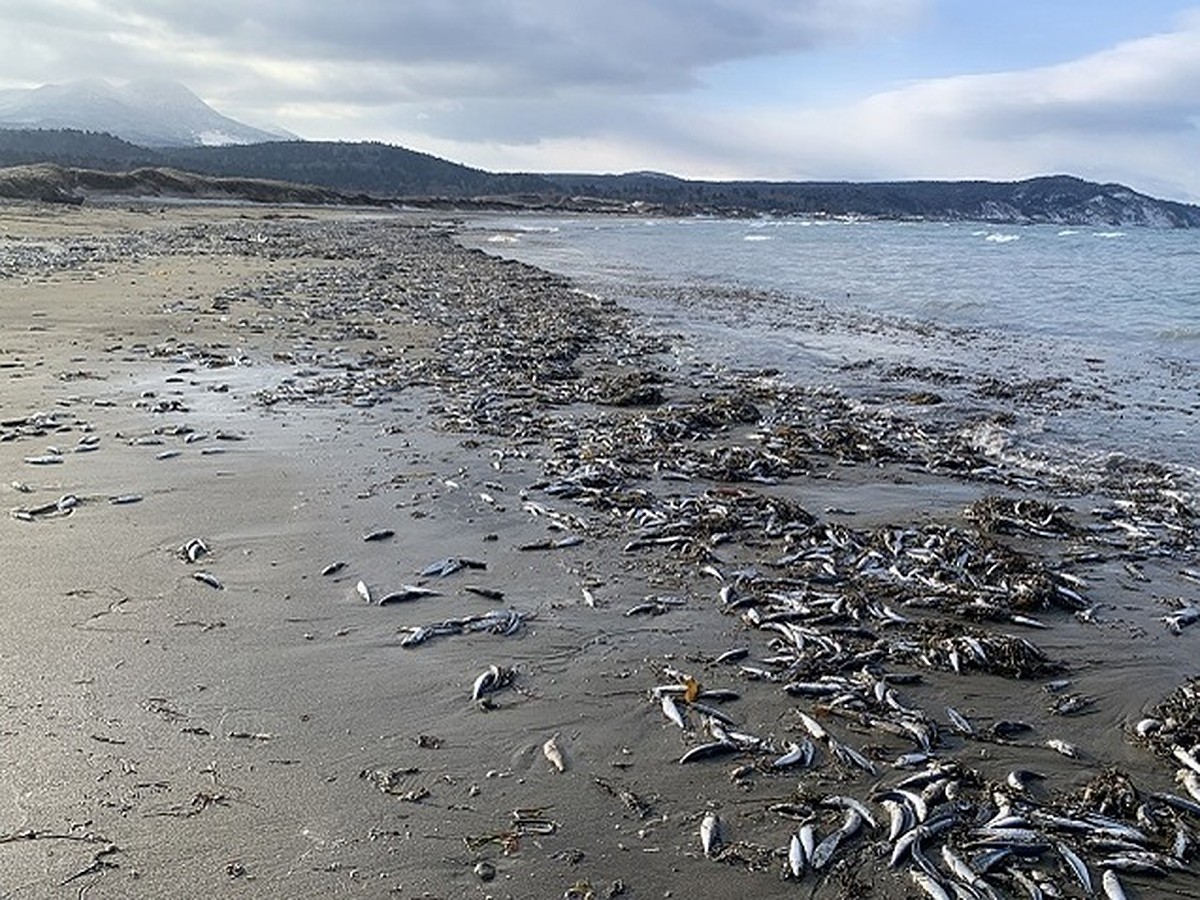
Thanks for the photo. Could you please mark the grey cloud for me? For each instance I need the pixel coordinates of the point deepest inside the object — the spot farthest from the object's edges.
(647, 46)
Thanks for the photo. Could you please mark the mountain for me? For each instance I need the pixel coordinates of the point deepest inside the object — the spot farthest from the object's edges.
(148, 113)
(380, 172)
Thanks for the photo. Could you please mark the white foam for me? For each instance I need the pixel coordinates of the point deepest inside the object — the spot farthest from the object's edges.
(1108, 234)
(758, 237)
(997, 238)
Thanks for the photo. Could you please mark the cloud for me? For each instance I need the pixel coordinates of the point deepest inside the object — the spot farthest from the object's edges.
(1129, 113)
(626, 84)
(439, 49)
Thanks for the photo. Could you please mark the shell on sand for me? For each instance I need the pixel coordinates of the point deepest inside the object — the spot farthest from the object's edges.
(554, 754)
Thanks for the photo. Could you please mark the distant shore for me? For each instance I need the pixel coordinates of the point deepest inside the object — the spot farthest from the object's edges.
(221, 427)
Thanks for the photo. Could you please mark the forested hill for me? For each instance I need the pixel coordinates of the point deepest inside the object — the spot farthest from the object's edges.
(387, 172)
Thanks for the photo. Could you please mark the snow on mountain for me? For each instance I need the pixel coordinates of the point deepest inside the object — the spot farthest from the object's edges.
(149, 113)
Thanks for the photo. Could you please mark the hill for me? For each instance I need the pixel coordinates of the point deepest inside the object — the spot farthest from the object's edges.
(387, 173)
(149, 113)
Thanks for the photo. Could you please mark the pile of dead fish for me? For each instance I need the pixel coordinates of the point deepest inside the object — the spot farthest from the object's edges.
(942, 823)
(1172, 728)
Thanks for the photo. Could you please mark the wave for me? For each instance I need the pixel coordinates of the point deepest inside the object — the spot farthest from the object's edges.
(1108, 234)
(997, 238)
(503, 239)
(1067, 231)
(758, 237)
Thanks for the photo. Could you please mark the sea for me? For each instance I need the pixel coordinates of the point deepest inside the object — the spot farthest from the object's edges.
(1060, 346)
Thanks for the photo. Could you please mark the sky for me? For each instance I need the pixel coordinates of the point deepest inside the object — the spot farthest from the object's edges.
(1108, 90)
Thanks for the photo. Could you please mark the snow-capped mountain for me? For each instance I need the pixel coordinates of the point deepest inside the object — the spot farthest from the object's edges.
(148, 113)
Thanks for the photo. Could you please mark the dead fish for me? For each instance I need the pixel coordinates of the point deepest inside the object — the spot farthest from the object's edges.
(333, 568)
(1185, 757)
(812, 726)
(808, 840)
(1190, 781)
(486, 593)
(1060, 746)
(796, 858)
(852, 805)
(849, 756)
(825, 850)
(926, 882)
(1076, 865)
(1112, 885)
(48, 459)
(448, 566)
(710, 833)
(703, 751)
(493, 679)
(797, 755)
(1020, 779)
(167, 454)
(363, 591)
(208, 578)
(671, 711)
(959, 722)
(737, 653)
(405, 593)
(552, 753)
(122, 499)
(379, 534)
(193, 550)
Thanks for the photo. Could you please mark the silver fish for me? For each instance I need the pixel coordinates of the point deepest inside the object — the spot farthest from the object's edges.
(900, 816)
(1112, 885)
(850, 803)
(1186, 757)
(671, 711)
(405, 593)
(491, 680)
(1059, 746)
(824, 851)
(363, 591)
(797, 755)
(208, 578)
(797, 859)
(926, 882)
(710, 833)
(813, 726)
(703, 751)
(808, 840)
(959, 722)
(1076, 865)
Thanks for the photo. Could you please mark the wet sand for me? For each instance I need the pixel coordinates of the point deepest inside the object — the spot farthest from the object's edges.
(359, 372)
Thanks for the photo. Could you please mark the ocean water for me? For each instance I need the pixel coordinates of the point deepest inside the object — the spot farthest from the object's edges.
(1087, 339)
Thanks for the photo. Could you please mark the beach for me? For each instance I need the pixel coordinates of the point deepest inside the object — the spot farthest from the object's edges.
(228, 432)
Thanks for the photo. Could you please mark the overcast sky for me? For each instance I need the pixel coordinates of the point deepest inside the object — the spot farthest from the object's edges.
(779, 89)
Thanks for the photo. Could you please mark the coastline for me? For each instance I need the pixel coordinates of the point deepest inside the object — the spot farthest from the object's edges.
(273, 736)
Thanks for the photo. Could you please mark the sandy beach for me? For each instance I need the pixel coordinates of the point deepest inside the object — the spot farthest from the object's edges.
(221, 425)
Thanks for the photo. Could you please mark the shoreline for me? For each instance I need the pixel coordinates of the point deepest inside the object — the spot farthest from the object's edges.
(273, 736)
